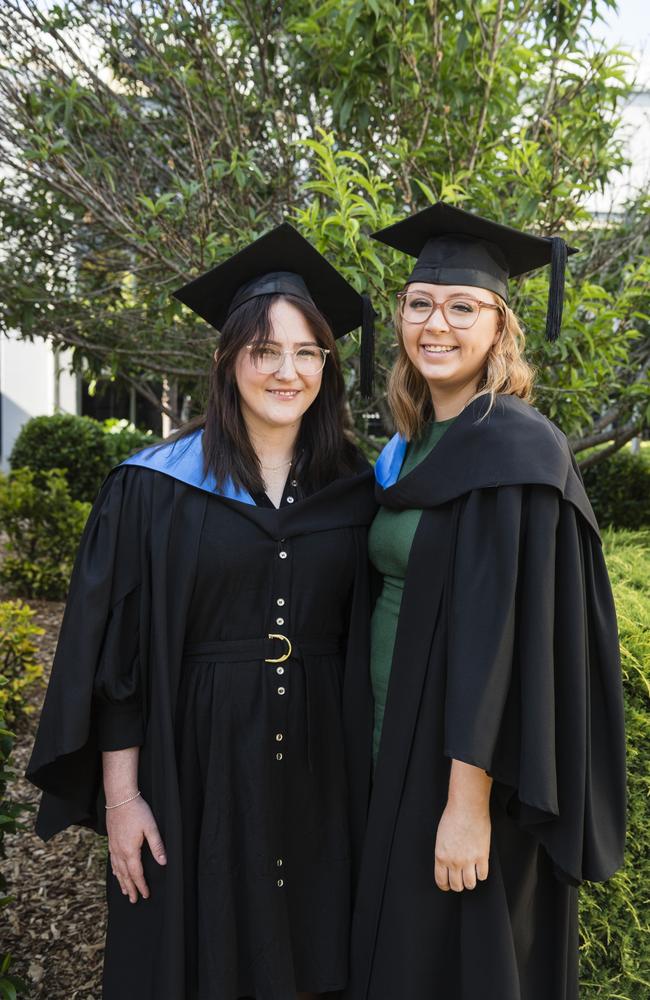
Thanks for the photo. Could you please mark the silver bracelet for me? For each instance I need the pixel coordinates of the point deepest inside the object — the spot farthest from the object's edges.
(125, 801)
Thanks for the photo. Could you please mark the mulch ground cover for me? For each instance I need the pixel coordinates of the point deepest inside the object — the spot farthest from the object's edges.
(55, 926)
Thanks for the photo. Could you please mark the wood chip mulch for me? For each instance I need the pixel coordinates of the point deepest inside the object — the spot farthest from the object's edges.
(54, 928)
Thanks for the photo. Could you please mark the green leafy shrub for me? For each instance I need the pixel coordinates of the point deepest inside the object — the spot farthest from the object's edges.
(43, 526)
(19, 668)
(85, 449)
(619, 490)
(78, 445)
(614, 919)
(123, 440)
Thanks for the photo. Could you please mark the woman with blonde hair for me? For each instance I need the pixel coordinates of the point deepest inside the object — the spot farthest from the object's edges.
(499, 780)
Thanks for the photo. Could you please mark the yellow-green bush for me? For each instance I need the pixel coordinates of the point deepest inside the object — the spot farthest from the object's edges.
(18, 669)
(43, 526)
(18, 665)
(615, 916)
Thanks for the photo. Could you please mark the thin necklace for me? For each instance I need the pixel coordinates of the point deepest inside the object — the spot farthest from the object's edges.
(276, 468)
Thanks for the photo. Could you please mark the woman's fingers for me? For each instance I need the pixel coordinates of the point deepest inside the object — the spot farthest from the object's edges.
(469, 877)
(441, 873)
(127, 884)
(136, 874)
(456, 879)
(482, 869)
(156, 845)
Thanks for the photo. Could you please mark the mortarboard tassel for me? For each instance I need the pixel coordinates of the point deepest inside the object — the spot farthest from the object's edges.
(556, 288)
(367, 357)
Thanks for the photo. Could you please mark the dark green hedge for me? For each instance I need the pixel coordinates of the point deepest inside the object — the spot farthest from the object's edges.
(614, 916)
(619, 490)
(84, 448)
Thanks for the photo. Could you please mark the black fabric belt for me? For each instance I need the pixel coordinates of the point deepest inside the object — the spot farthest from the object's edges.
(270, 649)
(273, 649)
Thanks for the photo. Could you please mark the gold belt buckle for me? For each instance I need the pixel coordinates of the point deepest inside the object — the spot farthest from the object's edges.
(279, 659)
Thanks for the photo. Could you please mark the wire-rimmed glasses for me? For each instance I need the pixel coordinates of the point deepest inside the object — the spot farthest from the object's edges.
(307, 360)
(460, 311)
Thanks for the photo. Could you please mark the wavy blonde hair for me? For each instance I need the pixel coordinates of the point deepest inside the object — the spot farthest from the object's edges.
(506, 373)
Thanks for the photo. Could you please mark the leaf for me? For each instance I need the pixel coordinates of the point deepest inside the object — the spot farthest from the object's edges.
(345, 111)
(426, 190)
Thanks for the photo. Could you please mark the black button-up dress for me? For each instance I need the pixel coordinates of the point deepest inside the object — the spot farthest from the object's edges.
(261, 760)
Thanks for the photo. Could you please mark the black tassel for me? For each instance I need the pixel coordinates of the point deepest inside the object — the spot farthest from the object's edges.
(556, 288)
(367, 361)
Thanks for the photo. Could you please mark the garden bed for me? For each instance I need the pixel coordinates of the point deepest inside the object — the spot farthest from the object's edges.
(55, 926)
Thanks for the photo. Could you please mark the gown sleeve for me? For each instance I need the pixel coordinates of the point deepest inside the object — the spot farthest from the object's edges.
(117, 700)
(94, 699)
(534, 693)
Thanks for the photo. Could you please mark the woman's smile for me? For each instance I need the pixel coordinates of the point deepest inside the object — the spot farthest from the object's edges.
(284, 393)
(433, 349)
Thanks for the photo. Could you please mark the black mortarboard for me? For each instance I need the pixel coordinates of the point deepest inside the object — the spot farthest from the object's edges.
(284, 262)
(454, 247)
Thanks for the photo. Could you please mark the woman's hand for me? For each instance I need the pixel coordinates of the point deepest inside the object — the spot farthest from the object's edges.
(130, 824)
(463, 838)
(128, 827)
(462, 849)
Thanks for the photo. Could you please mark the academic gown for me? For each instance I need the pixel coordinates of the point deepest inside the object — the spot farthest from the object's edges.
(245, 751)
(506, 657)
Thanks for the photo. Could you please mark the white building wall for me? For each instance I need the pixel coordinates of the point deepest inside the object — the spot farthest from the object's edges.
(33, 380)
(634, 179)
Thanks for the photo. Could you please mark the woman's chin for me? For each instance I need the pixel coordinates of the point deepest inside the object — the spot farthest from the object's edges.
(438, 374)
(280, 415)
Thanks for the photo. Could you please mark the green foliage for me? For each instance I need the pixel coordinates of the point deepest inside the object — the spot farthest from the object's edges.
(579, 377)
(19, 668)
(77, 445)
(209, 122)
(85, 449)
(10, 986)
(122, 439)
(619, 490)
(614, 927)
(43, 526)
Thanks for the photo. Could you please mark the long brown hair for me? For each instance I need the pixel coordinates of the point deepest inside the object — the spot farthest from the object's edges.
(506, 372)
(324, 450)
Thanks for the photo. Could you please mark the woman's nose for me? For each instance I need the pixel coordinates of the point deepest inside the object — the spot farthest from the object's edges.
(436, 321)
(287, 369)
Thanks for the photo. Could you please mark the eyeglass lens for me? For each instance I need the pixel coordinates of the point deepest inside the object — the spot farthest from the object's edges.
(307, 360)
(459, 311)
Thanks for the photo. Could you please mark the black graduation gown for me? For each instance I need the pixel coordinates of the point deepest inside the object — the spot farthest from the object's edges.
(506, 657)
(243, 760)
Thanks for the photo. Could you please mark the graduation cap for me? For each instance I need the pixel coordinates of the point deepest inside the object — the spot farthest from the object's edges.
(454, 247)
(282, 262)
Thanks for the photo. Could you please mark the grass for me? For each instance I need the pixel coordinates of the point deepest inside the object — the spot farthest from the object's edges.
(615, 916)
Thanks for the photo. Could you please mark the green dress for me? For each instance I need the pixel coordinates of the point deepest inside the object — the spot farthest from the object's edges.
(390, 540)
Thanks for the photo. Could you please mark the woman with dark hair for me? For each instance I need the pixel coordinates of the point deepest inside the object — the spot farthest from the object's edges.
(212, 666)
(499, 779)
